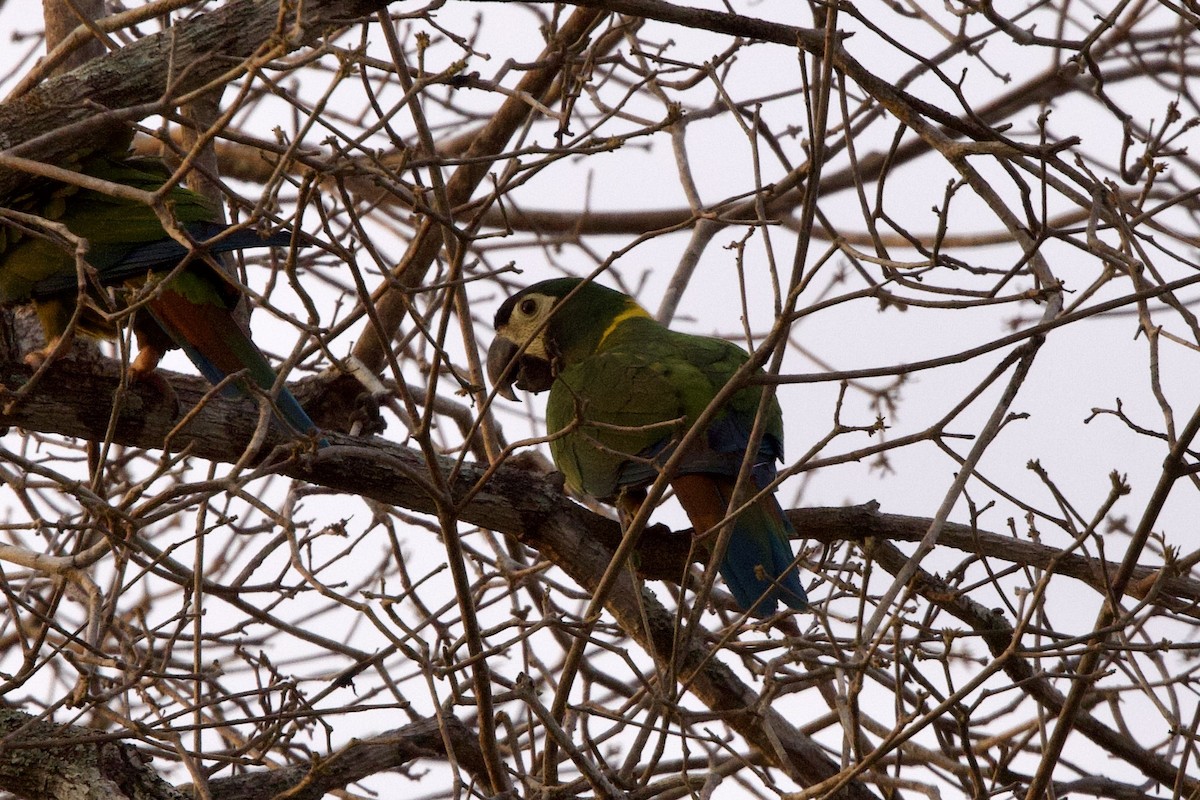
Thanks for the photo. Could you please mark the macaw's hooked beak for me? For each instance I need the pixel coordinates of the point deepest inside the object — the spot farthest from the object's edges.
(502, 366)
(505, 369)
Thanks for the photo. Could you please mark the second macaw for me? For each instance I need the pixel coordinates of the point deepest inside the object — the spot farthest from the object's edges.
(127, 246)
(624, 390)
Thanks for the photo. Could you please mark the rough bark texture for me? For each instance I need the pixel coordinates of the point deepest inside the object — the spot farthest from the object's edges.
(57, 762)
(69, 114)
(64, 762)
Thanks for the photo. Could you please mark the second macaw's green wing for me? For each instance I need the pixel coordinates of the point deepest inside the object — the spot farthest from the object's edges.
(34, 266)
(127, 242)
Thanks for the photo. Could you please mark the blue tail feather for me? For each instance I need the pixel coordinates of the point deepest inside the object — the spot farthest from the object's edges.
(758, 561)
(115, 264)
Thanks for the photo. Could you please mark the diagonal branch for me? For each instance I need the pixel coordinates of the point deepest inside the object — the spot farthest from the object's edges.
(65, 116)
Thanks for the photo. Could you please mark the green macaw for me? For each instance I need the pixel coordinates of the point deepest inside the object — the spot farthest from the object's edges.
(624, 390)
(128, 247)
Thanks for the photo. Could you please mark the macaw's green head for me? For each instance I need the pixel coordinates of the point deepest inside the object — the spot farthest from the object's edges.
(546, 327)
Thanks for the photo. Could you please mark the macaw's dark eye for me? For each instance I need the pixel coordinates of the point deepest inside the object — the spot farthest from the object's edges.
(528, 306)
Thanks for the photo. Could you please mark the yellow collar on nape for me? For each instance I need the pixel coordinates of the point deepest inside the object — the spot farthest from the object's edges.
(634, 311)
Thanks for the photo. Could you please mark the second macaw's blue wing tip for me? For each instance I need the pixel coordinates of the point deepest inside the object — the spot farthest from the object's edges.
(791, 592)
(796, 602)
(293, 414)
(769, 605)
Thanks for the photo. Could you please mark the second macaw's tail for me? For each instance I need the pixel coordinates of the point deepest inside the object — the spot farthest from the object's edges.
(193, 311)
(758, 565)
